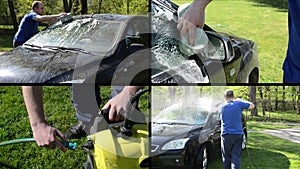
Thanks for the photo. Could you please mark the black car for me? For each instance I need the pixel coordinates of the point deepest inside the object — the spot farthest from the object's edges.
(187, 135)
(225, 58)
(97, 48)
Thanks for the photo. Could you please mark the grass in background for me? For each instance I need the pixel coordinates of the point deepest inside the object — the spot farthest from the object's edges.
(265, 25)
(266, 151)
(59, 112)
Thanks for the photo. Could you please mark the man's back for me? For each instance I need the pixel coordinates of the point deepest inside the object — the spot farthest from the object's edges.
(231, 117)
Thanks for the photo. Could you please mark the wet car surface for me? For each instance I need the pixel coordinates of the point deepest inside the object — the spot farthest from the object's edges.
(225, 58)
(187, 135)
(82, 49)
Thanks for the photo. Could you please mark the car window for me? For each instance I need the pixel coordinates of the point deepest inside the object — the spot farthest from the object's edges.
(88, 34)
(178, 113)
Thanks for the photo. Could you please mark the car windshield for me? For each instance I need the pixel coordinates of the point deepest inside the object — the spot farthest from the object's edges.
(89, 34)
(183, 114)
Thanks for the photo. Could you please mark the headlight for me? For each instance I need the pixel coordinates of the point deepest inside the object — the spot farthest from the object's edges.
(175, 144)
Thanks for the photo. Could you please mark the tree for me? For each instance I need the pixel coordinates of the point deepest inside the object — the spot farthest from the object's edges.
(172, 93)
(262, 100)
(84, 7)
(276, 98)
(283, 98)
(268, 93)
(13, 14)
(68, 5)
(252, 95)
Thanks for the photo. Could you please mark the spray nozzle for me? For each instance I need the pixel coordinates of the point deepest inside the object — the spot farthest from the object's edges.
(70, 145)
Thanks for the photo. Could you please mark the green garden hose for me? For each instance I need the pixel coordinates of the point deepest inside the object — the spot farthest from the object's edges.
(69, 145)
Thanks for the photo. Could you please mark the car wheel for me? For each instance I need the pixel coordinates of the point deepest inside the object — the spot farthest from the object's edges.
(202, 159)
(244, 143)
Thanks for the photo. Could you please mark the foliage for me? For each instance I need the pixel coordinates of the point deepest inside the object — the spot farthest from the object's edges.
(59, 112)
(280, 4)
(265, 25)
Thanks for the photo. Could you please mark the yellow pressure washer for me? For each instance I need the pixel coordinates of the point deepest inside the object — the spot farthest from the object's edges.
(119, 145)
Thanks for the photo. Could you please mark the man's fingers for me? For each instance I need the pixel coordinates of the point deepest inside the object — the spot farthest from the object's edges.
(61, 135)
(60, 146)
(112, 113)
(192, 35)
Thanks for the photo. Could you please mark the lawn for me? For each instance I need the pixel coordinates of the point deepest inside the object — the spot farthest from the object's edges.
(265, 25)
(59, 112)
(266, 151)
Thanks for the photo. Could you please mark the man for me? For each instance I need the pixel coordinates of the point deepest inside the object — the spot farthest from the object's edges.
(193, 17)
(30, 22)
(46, 135)
(232, 130)
(291, 65)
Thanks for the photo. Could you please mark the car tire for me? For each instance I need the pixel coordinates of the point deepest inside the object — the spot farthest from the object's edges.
(202, 160)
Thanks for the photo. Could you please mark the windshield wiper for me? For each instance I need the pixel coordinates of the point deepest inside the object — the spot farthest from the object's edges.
(64, 49)
(173, 123)
(32, 45)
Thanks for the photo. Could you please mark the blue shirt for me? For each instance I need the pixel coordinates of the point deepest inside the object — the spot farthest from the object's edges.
(231, 117)
(291, 65)
(27, 28)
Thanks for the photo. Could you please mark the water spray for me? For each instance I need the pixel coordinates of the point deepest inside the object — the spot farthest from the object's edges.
(69, 145)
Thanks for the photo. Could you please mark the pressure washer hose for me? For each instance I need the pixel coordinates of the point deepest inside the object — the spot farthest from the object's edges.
(247, 148)
(69, 145)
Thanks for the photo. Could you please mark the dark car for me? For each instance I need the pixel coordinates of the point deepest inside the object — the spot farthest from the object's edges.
(96, 48)
(187, 135)
(224, 59)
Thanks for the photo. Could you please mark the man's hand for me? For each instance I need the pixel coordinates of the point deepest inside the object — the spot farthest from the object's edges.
(46, 136)
(193, 17)
(117, 104)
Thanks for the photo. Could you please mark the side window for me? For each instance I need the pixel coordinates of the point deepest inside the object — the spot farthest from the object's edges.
(137, 32)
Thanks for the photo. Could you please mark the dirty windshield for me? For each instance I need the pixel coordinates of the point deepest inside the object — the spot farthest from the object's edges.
(89, 34)
(182, 114)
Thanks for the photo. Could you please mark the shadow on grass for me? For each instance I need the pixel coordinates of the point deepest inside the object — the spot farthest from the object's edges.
(281, 5)
(262, 158)
(2, 165)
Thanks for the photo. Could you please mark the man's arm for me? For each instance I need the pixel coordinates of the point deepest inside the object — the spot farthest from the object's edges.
(44, 134)
(251, 104)
(118, 103)
(193, 17)
(49, 18)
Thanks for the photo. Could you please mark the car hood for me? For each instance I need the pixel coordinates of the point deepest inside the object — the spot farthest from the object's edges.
(29, 65)
(162, 133)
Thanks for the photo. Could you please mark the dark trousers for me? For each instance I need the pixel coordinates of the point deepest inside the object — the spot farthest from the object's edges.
(231, 147)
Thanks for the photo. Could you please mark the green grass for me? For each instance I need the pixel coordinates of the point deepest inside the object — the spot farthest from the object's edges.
(266, 151)
(59, 112)
(266, 26)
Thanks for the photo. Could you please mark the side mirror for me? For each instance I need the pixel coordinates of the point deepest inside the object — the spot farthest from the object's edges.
(219, 47)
